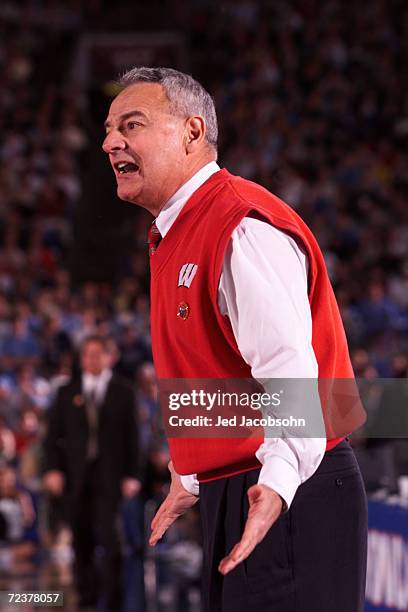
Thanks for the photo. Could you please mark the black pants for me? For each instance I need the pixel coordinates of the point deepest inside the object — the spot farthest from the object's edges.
(98, 562)
(313, 559)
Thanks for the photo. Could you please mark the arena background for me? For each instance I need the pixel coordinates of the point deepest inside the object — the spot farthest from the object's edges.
(312, 104)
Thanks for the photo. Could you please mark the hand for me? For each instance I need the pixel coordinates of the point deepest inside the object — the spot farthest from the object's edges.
(53, 482)
(130, 487)
(265, 506)
(177, 502)
(27, 509)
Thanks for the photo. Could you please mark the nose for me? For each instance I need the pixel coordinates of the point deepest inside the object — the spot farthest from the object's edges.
(114, 141)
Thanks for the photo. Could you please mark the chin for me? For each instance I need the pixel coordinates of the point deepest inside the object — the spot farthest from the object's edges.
(126, 195)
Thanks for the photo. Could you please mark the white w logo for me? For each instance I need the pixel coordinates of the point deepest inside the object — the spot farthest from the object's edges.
(186, 274)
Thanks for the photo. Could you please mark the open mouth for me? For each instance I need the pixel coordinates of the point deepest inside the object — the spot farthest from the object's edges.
(126, 167)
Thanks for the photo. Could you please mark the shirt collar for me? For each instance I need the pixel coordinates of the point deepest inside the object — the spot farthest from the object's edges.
(91, 382)
(173, 206)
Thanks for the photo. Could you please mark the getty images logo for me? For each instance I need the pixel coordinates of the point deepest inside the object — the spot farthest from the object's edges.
(186, 274)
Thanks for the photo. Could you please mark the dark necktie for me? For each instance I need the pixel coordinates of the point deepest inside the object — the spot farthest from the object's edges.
(154, 238)
(93, 417)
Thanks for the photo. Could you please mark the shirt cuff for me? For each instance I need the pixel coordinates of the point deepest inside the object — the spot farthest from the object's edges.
(191, 484)
(280, 476)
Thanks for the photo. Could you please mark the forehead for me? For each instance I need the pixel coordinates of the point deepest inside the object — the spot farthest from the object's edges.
(146, 97)
(93, 347)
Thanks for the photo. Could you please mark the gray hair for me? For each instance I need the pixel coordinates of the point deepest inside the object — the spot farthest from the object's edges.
(186, 96)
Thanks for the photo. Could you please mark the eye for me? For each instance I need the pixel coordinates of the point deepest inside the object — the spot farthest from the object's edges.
(131, 125)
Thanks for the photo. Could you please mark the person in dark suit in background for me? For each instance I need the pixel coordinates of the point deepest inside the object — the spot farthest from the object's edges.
(91, 454)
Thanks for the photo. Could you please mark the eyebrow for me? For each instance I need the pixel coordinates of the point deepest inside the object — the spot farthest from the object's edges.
(132, 113)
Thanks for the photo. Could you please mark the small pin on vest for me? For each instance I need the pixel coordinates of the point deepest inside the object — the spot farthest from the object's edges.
(183, 311)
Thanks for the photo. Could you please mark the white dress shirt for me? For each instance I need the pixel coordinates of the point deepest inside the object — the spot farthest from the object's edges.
(96, 386)
(263, 292)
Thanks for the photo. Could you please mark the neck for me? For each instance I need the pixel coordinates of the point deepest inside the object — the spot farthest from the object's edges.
(193, 168)
(93, 372)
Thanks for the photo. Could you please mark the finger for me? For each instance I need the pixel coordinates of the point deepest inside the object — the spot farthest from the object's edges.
(157, 517)
(239, 553)
(257, 525)
(161, 529)
(245, 546)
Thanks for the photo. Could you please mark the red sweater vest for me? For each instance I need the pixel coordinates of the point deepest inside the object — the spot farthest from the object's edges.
(203, 345)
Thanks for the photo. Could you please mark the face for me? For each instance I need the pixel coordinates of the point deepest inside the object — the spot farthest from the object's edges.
(145, 144)
(93, 358)
(7, 482)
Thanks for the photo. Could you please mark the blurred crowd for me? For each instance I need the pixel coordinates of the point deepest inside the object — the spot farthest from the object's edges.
(311, 104)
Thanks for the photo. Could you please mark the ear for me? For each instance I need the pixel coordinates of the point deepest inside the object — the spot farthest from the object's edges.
(195, 133)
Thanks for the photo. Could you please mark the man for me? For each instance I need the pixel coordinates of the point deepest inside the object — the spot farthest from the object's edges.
(91, 458)
(239, 289)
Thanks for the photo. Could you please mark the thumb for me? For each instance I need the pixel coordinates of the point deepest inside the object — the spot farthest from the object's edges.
(254, 493)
